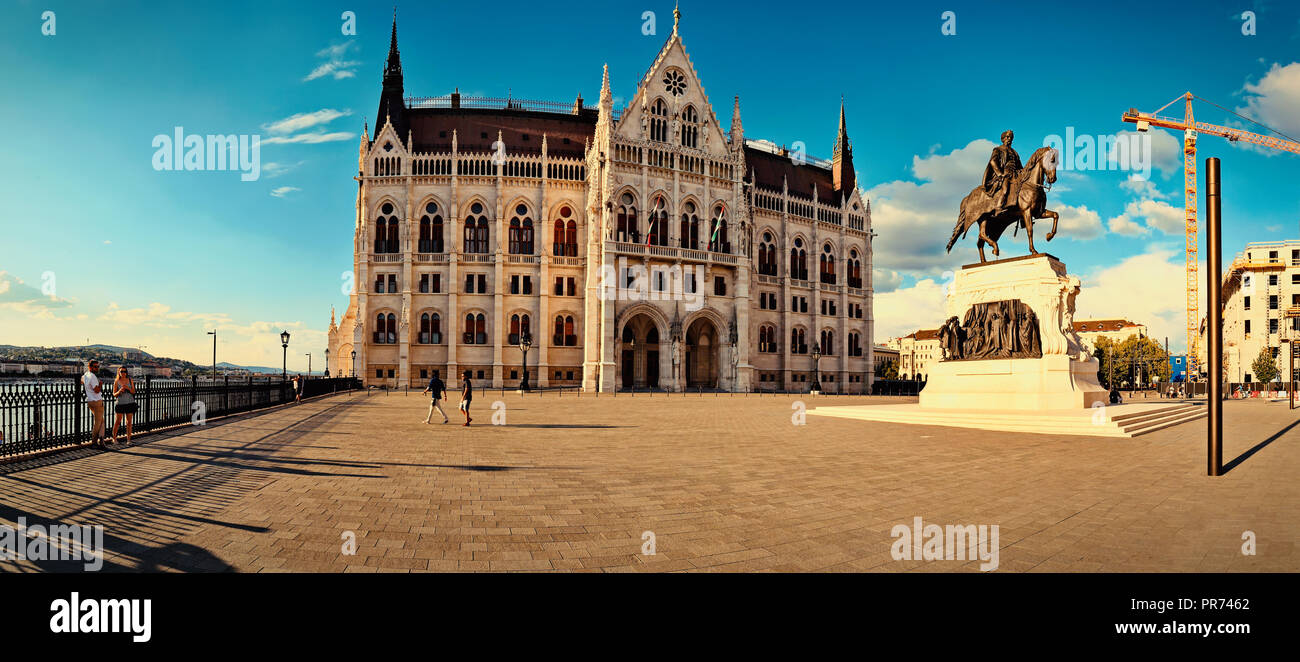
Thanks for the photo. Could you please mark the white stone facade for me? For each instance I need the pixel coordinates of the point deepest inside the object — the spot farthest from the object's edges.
(655, 192)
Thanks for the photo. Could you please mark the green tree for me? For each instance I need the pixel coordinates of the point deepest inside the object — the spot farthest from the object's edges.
(1264, 366)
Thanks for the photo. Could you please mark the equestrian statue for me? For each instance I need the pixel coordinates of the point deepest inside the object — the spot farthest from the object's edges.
(1010, 196)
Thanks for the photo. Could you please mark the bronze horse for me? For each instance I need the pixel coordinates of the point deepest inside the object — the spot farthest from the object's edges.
(1030, 202)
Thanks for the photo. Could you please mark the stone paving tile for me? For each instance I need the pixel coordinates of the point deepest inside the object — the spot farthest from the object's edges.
(726, 484)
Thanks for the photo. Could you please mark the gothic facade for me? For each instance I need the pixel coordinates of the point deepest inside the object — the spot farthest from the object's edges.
(636, 247)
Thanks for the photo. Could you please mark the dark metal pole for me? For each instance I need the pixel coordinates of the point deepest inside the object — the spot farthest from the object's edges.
(1214, 311)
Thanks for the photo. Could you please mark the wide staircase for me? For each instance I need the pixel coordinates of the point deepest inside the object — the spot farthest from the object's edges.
(1127, 420)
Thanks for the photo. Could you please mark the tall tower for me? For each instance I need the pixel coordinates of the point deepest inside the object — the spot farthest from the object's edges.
(842, 163)
(392, 107)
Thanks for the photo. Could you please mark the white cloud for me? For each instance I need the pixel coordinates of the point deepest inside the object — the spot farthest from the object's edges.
(1148, 288)
(885, 280)
(905, 310)
(302, 121)
(19, 296)
(1156, 214)
(915, 218)
(274, 169)
(1123, 225)
(1273, 100)
(334, 65)
(158, 315)
(309, 138)
(1079, 222)
(283, 191)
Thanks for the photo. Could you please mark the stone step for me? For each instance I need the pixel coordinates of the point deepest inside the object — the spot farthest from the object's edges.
(1113, 421)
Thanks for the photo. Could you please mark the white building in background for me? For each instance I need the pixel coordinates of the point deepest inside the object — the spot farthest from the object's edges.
(1117, 330)
(917, 352)
(638, 247)
(1261, 305)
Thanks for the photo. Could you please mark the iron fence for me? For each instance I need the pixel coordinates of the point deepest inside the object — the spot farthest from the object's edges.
(52, 414)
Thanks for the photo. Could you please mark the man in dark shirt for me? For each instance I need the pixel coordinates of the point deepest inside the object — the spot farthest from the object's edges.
(439, 390)
(466, 395)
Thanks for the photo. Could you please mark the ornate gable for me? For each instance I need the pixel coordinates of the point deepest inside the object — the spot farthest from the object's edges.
(672, 80)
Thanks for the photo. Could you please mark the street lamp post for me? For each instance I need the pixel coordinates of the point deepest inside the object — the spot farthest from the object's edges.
(354, 364)
(308, 364)
(327, 362)
(525, 341)
(213, 333)
(284, 365)
(816, 382)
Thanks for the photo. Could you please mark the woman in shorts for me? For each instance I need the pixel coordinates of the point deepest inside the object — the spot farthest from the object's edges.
(124, 393)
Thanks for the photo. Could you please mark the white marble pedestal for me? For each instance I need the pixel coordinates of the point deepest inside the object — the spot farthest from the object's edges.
(1066, 375)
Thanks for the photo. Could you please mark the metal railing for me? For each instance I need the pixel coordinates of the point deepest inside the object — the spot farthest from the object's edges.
(52, 414)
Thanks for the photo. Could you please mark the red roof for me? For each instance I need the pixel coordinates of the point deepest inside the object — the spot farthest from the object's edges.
(521, 130)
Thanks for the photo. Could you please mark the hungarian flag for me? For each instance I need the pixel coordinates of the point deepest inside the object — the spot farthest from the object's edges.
(653, 216)
(717, 226)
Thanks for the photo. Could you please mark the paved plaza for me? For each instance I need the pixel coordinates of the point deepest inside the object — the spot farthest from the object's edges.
(725, 483)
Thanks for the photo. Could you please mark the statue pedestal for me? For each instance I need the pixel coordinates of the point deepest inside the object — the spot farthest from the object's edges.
(1063, 377)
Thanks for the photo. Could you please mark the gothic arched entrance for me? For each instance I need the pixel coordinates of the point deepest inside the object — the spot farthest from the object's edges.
(638, 363)
(702, 354)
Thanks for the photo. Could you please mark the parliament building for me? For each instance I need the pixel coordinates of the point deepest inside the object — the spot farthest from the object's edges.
(634, 247)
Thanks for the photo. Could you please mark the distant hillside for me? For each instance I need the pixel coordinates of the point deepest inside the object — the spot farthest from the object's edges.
(255, 369)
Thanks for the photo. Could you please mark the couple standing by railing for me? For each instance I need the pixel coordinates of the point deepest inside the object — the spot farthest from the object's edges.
(124, 408)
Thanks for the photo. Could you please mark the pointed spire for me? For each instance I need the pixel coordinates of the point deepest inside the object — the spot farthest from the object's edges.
(842, 172)
(677, 17)
(737, 129)
(394, 65)
(604, 86)
(392, 104)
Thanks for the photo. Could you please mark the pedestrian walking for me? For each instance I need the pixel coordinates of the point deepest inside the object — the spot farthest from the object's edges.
(439, 391)
(466, 396)
(124, 406)
(297, 389)
(95, 400)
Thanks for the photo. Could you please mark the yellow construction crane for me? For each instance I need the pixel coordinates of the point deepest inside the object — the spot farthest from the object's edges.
(1191, 129)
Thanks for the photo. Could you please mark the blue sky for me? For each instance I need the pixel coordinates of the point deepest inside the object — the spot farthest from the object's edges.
(142, 257)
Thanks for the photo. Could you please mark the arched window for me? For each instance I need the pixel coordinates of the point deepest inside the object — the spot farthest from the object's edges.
(385, 329)
(565, 335)
(652, 336)
(797, 344)
(521, 232)
(520, 326)
(767, 255)
(828, 342)
(430, 329)
(566, 234)
(718, 242)
(826, 262)
(854, 269)
(431, 230)
(767, 339)
(627, 228)
(475, 329)
(658, 227)
(690, 235)
(386, 229)
(798, 261)
(855, 344)
(659, 121)
(690, 127)
(476, 230)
